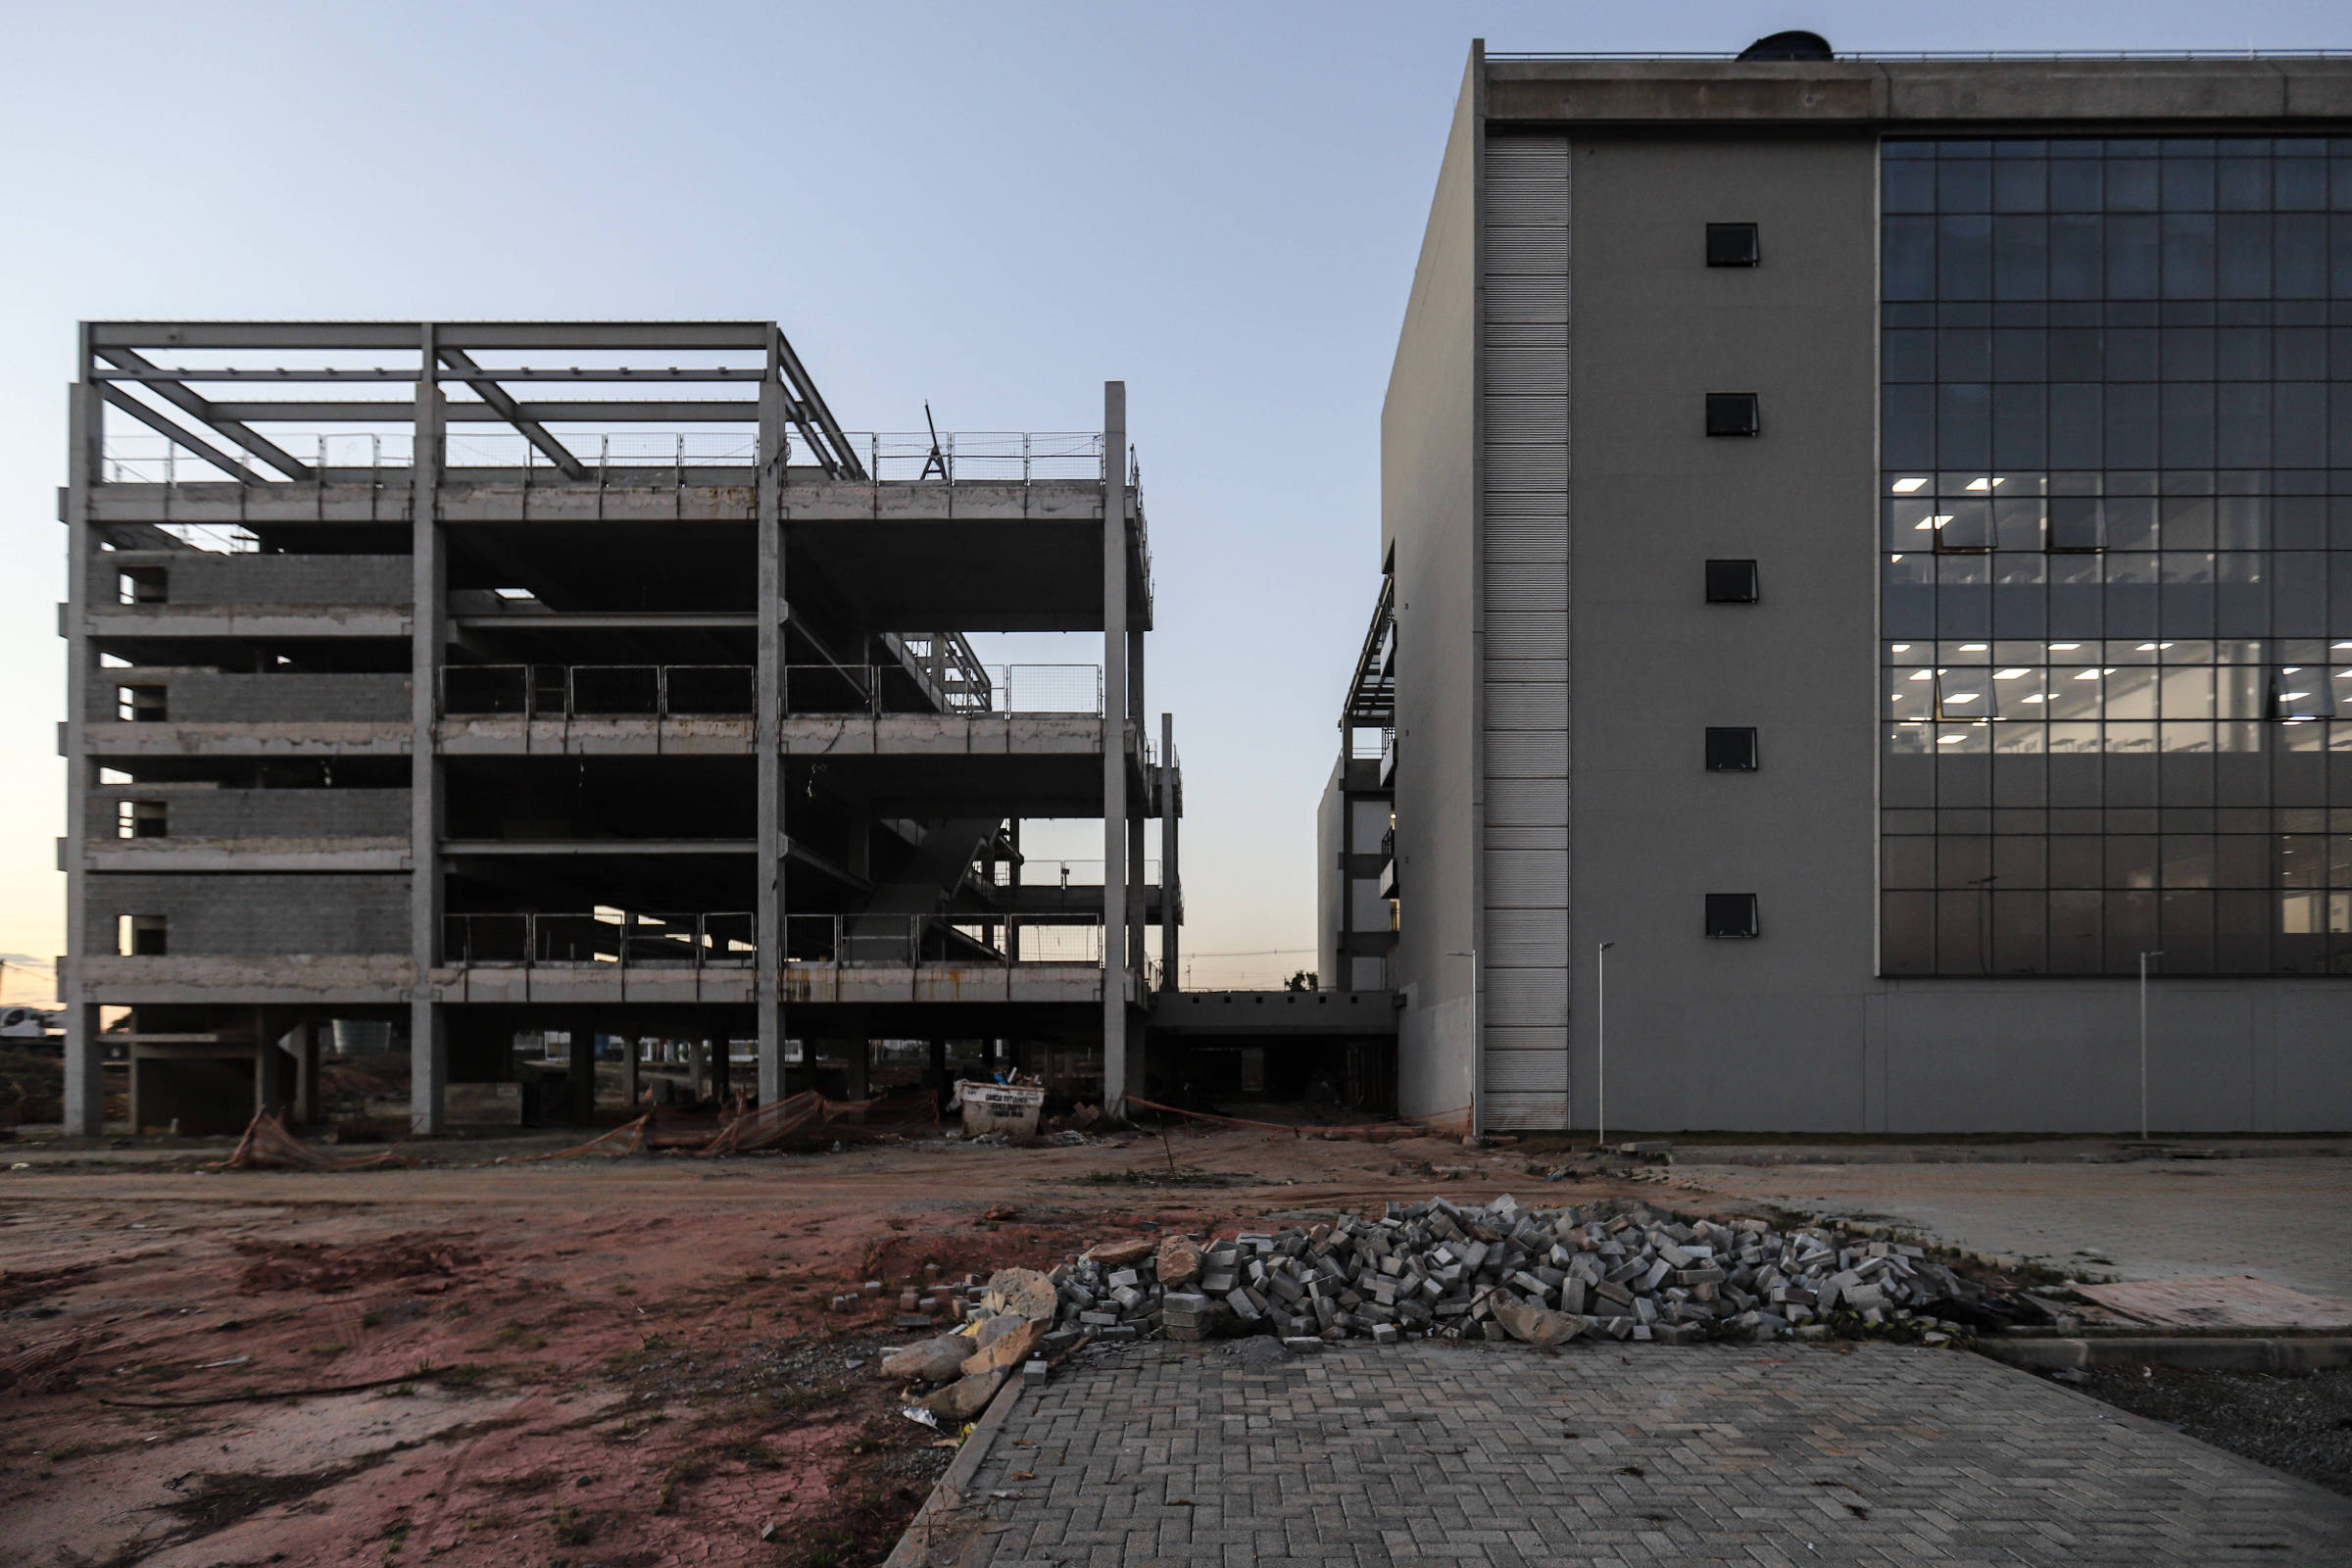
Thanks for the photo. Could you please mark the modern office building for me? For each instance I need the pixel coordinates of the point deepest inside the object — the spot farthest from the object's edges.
(1871, 548)
(486, 680)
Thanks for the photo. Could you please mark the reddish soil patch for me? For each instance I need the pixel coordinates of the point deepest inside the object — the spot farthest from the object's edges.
(638, 1363)
(327, 1270)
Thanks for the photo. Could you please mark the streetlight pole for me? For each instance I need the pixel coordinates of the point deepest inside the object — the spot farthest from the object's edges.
(1600, 1020)
(2143, 1039)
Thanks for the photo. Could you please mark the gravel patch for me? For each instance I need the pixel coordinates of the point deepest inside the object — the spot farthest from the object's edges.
(2298, 1422)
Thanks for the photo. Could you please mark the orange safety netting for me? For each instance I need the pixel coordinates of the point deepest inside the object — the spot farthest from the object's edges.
(267, 1143)
(812, 1116)
(619, 1144)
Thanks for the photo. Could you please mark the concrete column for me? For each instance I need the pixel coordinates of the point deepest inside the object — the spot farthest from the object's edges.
(767, 730)
(1171, 880)
(86, 1072)
(428, 1046)
(85, 1069)
(630, 1090)
(265, 1097)
(698, 1077)
(581, 1075)
(1114, 745)
(939, 1070)
(860, 1054)
(1012, 927)
(722, 1071)
(306, 1073)
(1138, 944)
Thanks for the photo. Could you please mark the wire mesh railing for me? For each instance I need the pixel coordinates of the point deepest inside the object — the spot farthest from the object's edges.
(919, 941)
(617, 937)
(874, 690)
(1037, 872)
(596, 691)
(689, 690)
(952, 458)
(967, 455)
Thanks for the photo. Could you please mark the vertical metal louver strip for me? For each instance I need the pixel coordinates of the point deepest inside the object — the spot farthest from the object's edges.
(1523, 567)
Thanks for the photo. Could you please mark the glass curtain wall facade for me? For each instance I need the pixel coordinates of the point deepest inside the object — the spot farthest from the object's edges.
(2116, 547)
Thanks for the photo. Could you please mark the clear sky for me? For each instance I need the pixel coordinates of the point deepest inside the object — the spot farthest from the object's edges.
(993, 206)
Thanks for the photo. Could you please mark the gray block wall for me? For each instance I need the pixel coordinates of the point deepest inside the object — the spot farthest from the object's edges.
(231, 916)
(201, 813)
(209, 697)
(214, 577)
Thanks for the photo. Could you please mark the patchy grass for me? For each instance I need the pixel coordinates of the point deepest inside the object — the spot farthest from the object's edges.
(574, 1528)
(687, 1472)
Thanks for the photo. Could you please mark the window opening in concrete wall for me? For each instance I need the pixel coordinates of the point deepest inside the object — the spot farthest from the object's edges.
(1731, 748)
(2115, 557)
(140, 819)
(1734, 245)
(140, 704)
(140, 935)
(1732, 914)
(1733, 414)
(1731, 582)
(142, 585)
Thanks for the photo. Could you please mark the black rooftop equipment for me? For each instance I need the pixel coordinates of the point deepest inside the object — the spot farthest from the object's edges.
(1789, 46)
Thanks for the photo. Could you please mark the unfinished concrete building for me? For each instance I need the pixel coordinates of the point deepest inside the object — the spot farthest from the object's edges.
(483, 679)
(1357, 892)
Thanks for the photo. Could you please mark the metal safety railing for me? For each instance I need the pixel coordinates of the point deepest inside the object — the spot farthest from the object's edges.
(892, 457)
(878, 689)
(688, 691)
(916, 941)
(965, 456)
(622, 939)
(1037, 872)
(596, 691)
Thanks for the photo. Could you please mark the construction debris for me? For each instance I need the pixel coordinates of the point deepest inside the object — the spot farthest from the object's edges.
(1615, 1268)
(267, 1144)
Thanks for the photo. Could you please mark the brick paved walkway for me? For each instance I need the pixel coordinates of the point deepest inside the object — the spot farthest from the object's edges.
(2286, 1220)
(1629, 1455)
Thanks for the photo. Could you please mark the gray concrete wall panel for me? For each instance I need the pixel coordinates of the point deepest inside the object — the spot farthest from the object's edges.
(232, 813)
(1429, 470)
(1704, 1033)
(250, 917)
(247, 578)
(208, 697)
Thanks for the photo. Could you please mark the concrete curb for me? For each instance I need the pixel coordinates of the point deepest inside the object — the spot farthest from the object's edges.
(941, 1509)
(2246, 1355)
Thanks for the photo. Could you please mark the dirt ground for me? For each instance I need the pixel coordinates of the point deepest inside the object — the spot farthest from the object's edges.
(568, 1362)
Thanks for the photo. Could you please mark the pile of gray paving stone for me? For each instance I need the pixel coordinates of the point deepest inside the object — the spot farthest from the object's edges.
(1615, 1268)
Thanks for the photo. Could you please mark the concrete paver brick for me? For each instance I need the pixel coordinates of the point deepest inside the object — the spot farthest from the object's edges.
(1627, 1457)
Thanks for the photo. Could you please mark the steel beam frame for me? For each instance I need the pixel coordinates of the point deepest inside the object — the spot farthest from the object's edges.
(112, 354)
